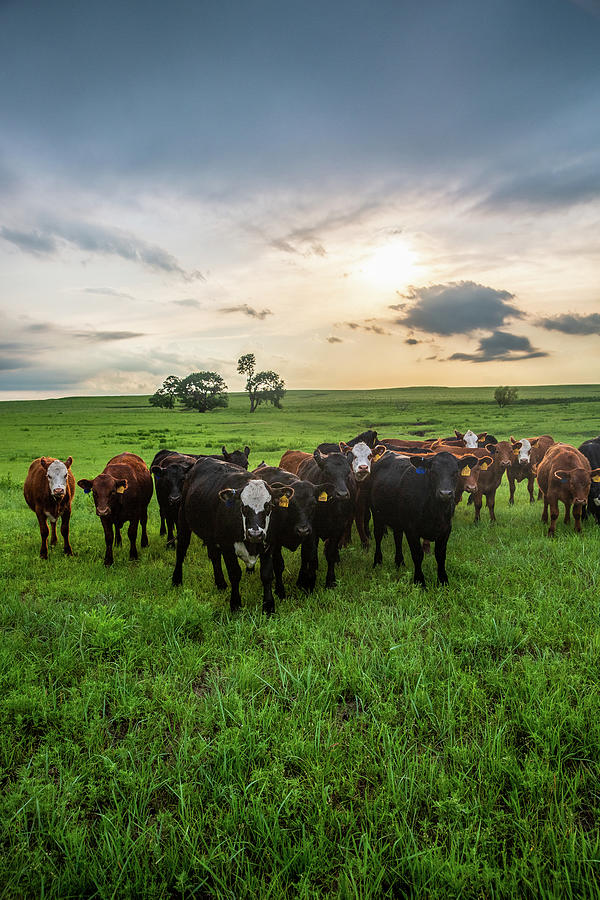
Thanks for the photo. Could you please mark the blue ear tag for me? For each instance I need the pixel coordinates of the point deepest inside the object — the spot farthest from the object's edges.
(420, 470)
(86, 490)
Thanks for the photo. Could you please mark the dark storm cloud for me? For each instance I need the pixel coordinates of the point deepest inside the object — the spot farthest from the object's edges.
(30, 241)
(332, 339)
(501, 346)
(247, 310)
(572, 323)
(548, 189)
(456, 308)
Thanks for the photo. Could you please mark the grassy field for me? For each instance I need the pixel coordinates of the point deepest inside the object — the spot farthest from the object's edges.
(373, 741)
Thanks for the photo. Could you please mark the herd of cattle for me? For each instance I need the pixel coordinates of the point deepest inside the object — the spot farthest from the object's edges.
(410, 487)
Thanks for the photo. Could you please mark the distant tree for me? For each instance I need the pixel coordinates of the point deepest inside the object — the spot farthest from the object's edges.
(506, 395)
(262, 387)
(203, 391)
(167, 393)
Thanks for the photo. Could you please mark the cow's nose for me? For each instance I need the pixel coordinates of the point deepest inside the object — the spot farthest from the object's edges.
(254, 534)
(342, 495)
(523, 462)
(103, 512)
(58, 492)
(446, 495)
(175, 500)
(303, 530)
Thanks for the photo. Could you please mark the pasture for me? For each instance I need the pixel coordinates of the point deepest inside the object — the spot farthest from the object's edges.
(372, 741)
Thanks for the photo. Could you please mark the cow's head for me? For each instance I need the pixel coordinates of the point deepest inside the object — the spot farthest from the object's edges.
(443, 470)
(361, 457)
(106, 491)
(469, 473)
(336, 473)
(169, 479)
(503, 454)
(301, 508)
(578, 481)
(237, 457)
(57, 473)
(469, 438)
(256, 500)
(522, 450)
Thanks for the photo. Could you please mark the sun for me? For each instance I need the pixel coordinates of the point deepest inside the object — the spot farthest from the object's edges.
(392, 265)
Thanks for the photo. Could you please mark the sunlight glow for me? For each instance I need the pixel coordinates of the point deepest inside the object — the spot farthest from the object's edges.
(391, 266)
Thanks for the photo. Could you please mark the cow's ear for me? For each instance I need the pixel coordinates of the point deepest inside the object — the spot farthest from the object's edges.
(378, 452)
(281, 493)
(319, 457)
(85, 484)
(491, 448)
(68, 462)
(344, 447)
(458, 434)
(562, 475)
(485, 462)
(512, 440)
(246, 451)
(471, 461)
(156, 470)
(121, 485)
(188, 464)
(227, 495)
(45, 462)
(224, 451)
(534, 442)
(482, 436)
(596, 475)
(421, 464)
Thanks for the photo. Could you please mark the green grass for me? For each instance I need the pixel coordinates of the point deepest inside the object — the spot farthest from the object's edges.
(372, 741)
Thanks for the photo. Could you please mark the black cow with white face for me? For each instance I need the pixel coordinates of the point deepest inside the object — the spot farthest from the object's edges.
(591, 451)
(231, 511)
(169, 475)
(415, 497)
(336, 501)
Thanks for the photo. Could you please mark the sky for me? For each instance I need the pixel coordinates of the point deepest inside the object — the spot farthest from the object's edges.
(361, 194)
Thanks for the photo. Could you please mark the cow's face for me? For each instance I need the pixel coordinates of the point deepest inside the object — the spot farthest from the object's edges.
(256, 501)
(302, 508)
(470, 439)
(107, 492)
(57, 473)
(361, 456)
(469, 473)
(170, 479)
(336, 472)
(522, 451)
(237, 457)
(503, 454)
(443, 470)
(577, 481)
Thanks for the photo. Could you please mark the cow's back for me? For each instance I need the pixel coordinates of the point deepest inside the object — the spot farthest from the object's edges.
(557, 457)
(139, 480)
(292, 459)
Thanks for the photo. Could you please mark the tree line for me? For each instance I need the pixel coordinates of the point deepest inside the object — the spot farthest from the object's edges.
(204, 391)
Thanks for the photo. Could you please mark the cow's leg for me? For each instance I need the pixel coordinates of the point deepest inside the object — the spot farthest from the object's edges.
(477, 502)
(567, 512)
(332, 557)
(309, 561)
(530, 482)
(132, 535)
(416, 551)
(144, 524)
(44, 532)
(214, 554)
(359, 517)
(235, 574)
(346, 536)
(163, 527)
(184, 535)
(545, 510)
(540, 496)
(118, 540)
(108, 540)
(266, 576)
(367, 520)
(577, 516)
(490, 500)
(278, 567)
(511, 488)
(399, 558)
(64, 530)
(553, 516)
(440, 558)
(170, 520)
(53, 538)
(378, 533)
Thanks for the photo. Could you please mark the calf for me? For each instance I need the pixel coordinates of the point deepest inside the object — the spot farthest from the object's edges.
(520, 468)
(564, 474)
(293, 526)
(48, 490)
(231, 511)
(415, 497)
(169, 475)
(591, 451)
(332, 472)
(121, 494)
(490, 476)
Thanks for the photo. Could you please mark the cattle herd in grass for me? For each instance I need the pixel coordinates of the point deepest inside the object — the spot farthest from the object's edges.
(410, 487)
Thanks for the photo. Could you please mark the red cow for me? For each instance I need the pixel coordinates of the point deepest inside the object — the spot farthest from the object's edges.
(564, 474)
(292, 459)
(490, 476)
(48, 490)
(122, 493)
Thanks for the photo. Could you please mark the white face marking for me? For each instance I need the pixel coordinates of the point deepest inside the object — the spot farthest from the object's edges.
(256, 495)
(57, 476)
(470, 439)
(361, 456)
(242, 552)
(524, 451)
(597, 501)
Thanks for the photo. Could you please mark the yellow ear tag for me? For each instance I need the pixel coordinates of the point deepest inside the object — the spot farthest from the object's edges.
(322, 496)
(120, 489)
(516, 452)
(485, 466)
(595, 477)
(375, 458)
(284, 501)
(466, 471)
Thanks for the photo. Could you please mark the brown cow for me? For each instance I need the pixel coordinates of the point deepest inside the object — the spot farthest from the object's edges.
(490, 476)
(122, 493)
(539, 446)
(564, 474)
(48, 490)
(292, 459)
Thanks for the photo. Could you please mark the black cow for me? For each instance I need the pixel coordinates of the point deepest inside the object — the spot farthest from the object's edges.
(336, 500)
(237, 458)
(231, 511)
(169, 475)
(293, 526)
(416, 497)
(591, 451)
(365, 437)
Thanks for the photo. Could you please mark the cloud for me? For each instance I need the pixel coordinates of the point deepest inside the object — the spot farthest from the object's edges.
(332, 339)
(412, 341)
(13, 363)
(188, 302)
(99, 337)
(247, 310)
(30, 242)
(109, 292)
(572, 323)
(552, 188)
(459, 307)
(501, 346)
(368, 325)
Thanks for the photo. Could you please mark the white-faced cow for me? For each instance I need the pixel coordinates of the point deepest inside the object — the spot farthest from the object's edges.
(48, 490)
